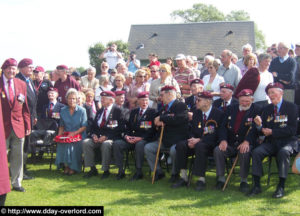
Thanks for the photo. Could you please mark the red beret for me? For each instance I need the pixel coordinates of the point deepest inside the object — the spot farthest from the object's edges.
(143, 95)
(245, 92)
(118, 93)
(53, 89)
(168, 88)
(61, 67)
(274, 85)
(108, 94)
(9, 62)
(198, 81)
(227, 86)
(25, 62)
(38, 69)
(205, 94)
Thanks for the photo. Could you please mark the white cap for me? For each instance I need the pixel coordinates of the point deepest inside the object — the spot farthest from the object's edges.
(180, 57)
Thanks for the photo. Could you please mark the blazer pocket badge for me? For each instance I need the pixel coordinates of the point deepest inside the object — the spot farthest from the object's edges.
(3, 94)
(21, 98)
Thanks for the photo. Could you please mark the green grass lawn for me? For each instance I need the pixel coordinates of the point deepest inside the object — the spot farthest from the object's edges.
(123, 197)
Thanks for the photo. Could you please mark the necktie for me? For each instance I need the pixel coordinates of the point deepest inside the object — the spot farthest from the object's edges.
(204, 118)
(10, 92)
(275, 111)
(225, 106)
(50, 110)
(103, 118)
(141, 113)
(166, 107)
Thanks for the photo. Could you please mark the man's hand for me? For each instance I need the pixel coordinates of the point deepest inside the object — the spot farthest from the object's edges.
(129, 139)
(95, 138)
(35, 121)
(244, 147)
(27, 132)
(223, 145)
(258, 120)
(192, 142)
(274, 74)
(102, 139)
(157, 122)
(267, 131)
(190, 115)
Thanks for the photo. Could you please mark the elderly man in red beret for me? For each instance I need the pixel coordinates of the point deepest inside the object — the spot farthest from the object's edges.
(278, 123)
(107, 127)
(140, 130)
(238, 136)
(42, 87)
(16, 119)
(64, 82)
(174, 117)
(226, 99)
(204, 130)
(26, 67)
(196, 87)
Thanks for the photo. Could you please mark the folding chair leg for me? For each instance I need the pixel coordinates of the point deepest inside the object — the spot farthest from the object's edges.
(190, 172)
(269, 170)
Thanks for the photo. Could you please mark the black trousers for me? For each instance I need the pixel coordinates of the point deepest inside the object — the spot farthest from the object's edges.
(267, 149)
(2, 199)
(201, 151)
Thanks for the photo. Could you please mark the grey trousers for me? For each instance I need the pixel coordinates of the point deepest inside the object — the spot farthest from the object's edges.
(15, 158)
(89, 146)
(282, 158)
(119, 146)
(220, 156)
(150, 152)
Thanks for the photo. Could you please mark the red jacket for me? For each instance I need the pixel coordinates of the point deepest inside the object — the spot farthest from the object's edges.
(4, 177)
(16, 116)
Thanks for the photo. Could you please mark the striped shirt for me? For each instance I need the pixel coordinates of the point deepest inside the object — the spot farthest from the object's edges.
(184, 78)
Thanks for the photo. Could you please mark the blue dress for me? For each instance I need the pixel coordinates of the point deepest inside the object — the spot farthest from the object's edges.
(71, 153)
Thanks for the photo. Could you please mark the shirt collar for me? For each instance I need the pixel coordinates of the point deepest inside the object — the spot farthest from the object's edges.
(279, 105)
(170, 104)
(5, 80)
(208, 112)
(284, 58)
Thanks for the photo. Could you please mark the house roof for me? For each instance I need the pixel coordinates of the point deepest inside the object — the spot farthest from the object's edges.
(197, 39)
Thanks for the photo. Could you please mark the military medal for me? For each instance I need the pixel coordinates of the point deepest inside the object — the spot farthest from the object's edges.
(199, 125)
(3, 95)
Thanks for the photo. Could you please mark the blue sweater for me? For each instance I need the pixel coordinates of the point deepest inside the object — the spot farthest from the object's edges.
(285, 71)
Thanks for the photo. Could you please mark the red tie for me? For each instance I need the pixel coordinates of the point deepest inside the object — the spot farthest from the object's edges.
(275, 111)
(10, 92)
(50, 110)
(141, 113)
(103, 118)
(166, 107)
(204, 118)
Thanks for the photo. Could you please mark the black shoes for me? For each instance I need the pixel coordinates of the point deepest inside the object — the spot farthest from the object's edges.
(244, 187)
(159, 176)
(120, 175)
(27, 177)
(278, 193)
(91, 173)
(137, 176)
(220, 185)
(180, 183)
(200, 186)
(174, 178)
(105, 175)
(254, 191)
(19, 189)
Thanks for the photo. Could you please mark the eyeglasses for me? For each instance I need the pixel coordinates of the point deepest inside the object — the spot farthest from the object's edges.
(153, 71)
(211, 67)
(162, 71)
(141, 76)
(118, 80)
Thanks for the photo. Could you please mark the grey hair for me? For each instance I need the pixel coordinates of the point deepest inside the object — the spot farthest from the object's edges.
(209, 58)
(103, 78)
(70, 92)
(247, 46)
(263, 56)
(91, 69)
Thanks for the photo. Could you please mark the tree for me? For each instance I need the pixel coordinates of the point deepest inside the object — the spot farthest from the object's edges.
(204, 13)
(96, 50)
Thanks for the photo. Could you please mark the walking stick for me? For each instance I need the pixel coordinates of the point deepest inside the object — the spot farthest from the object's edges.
(234, 163)
(157, 153)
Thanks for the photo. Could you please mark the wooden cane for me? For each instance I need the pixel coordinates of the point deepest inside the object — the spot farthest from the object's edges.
(157, 153)
(232, 168)
(234, 163)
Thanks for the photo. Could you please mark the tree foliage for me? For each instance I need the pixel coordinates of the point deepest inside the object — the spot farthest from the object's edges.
(206, 13)
(96, 50)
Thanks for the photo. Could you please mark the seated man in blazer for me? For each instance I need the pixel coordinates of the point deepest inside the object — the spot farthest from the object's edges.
(238, 136)
(226, 99)
(196, 87)
(107, 127)
(278, 123)
(203, 139)
(140, 130)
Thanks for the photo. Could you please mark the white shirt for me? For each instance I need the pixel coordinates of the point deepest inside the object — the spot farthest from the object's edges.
(207, 113)
(260, 93)
(6, 86)
(215, 85)
(112, 59)
(107, 114)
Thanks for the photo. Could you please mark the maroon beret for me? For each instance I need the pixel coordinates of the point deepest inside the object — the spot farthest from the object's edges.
(205, 94)
(227, 86)
(53, 89)
(274, 85)
(61, 67)
(168, 88)
(245, 92)
(9, 62)
(118, 93)
(38, 69)
(143, 95)
(198, 81)
(25, 62)
(108, 94)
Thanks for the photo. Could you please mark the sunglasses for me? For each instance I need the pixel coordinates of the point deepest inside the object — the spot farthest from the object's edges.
(141, 76)
(162, 71)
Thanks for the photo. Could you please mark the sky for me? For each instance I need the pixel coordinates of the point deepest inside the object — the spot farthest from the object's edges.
(53, 32)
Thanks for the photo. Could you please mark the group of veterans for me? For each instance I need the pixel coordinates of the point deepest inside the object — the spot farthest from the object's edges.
(213, 111)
